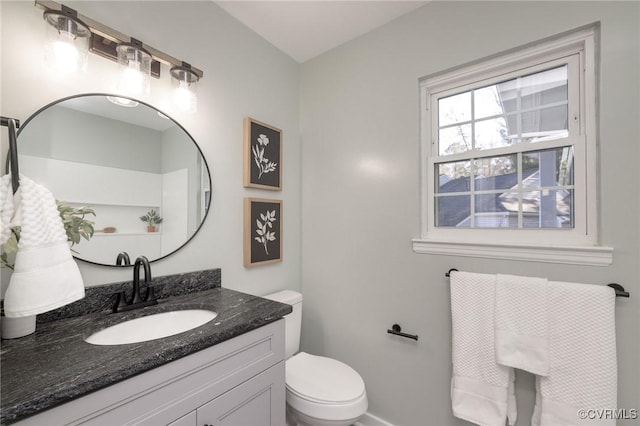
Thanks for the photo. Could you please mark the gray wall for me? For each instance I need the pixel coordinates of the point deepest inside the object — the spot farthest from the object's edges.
(360, 196)
(243, 76)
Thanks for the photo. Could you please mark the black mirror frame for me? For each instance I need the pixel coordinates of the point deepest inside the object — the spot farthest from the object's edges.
(35, 114)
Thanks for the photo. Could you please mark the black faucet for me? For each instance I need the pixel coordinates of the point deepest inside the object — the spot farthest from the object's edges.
(123, 259)
(137, 301)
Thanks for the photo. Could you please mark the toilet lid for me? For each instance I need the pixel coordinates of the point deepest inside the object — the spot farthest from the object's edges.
(322, 379)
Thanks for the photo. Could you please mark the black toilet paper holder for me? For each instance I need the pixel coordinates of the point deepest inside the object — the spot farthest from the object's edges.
(397, 330)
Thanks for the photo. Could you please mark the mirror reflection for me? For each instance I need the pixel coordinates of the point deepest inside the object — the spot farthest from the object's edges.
(140, 171)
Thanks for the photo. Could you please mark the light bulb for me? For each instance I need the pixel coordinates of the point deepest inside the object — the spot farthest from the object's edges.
(184, 98)
(65, 54)
(132, 81)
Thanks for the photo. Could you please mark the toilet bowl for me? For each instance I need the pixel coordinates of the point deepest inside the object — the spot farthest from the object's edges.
(320, 391)
(324, 391)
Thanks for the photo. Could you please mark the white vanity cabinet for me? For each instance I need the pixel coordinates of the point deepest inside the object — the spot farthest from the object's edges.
(237, 382)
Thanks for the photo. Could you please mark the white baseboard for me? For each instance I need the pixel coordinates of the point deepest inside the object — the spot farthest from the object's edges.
(370, 420)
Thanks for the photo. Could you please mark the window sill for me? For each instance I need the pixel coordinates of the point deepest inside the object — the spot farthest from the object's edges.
(570, 255)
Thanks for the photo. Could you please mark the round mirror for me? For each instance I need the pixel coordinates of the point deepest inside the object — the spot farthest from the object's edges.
(128, 162)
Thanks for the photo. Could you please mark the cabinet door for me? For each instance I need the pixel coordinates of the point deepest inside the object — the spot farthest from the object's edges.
(260, 401)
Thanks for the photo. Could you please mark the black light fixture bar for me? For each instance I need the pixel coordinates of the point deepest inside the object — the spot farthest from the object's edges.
(105, 39)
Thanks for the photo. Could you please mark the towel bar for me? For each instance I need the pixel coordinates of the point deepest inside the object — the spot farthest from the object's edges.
(620, 291)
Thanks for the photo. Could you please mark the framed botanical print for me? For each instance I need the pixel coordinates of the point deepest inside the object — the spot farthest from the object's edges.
(262, 155)
(262, 231)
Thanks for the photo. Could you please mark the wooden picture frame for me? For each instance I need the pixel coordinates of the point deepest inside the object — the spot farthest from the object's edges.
(262, 231)
(262, 155)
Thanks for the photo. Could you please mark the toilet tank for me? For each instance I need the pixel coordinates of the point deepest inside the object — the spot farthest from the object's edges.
(292, 321)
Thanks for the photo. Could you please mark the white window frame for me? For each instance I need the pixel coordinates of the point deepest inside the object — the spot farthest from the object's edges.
(579, 245)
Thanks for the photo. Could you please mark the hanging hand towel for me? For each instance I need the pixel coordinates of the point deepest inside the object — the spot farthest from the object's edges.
(522, 339)
(45, 276)
(582, 355)
(481, 390)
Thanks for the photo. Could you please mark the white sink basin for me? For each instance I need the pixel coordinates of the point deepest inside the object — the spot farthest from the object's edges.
(151, 327)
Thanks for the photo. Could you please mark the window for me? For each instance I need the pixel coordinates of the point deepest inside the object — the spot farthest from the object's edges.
(509, 156)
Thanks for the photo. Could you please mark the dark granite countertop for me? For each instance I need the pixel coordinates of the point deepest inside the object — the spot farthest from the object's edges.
(55, 365)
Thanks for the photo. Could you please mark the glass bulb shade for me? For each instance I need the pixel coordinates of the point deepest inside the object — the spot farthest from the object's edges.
(135, 69)
(67, 43)
(184, 83)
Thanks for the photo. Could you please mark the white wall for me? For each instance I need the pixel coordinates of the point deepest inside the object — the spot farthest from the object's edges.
(360, 196)
(243, 76)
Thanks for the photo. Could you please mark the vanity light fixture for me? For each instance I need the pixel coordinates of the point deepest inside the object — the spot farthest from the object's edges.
(67, 40)
(184, 81)
(137, 59)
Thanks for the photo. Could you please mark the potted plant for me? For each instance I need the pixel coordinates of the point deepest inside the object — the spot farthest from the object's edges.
(152, 218)
(75, 225)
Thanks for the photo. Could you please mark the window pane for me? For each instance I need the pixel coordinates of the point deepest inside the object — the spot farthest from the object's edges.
(496, 173)
(453, 211)
(454, 140)
(544, 88)
(552, 167)
(487, 102)
(491, 133)
(548, 209)
(454, 109)
(453, 177)
(545, 124)
(491, 212)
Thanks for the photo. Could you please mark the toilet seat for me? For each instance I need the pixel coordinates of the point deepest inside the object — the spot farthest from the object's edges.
(324, 388)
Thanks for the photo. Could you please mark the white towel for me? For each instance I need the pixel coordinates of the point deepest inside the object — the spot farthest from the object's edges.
(582, 348)
(45, 276)
(481, 390)
(522, 339)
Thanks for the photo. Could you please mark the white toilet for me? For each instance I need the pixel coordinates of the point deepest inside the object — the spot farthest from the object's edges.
(320, 391)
